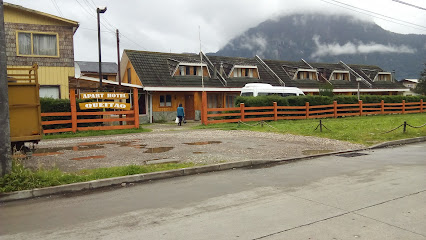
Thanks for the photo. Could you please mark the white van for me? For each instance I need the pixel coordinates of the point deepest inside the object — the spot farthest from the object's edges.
(264, 89)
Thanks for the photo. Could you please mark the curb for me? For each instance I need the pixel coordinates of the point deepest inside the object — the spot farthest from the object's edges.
(144, 177)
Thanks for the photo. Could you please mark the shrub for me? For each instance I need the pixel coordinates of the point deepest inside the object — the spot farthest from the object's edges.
(322, 100)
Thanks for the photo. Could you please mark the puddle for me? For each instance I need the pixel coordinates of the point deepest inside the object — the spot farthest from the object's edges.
(314, 152)
(130, 144)
(88, 157)
(88, 147)
(158, 149)
(203, 143)
(198, 152)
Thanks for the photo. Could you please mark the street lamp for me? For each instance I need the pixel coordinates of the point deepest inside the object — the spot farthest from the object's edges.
(358, 80)
(100, 10)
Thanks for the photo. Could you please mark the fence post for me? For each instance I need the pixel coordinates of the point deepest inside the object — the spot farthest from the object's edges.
(405, 126)
(421, 105)
(335, 108)
(382, 107)
(275, 111)
(204, 108)
(73, 111)
(136, 106)
(307, 109)
(403, 106)
(360, 107)
(242, 112)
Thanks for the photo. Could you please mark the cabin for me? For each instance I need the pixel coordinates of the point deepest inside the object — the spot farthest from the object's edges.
(166, 80)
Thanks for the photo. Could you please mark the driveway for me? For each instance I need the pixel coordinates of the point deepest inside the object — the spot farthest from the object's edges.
(170, 143)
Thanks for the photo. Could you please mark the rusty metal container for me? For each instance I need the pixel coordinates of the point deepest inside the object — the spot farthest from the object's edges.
(24, 106)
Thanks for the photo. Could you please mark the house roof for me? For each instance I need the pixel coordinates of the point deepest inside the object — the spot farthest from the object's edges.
(156, 69)
(93, 67)
(410, 80)
(21, 8)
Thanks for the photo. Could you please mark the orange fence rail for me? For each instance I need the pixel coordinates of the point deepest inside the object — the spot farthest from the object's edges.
(131, 117)
(274, 113)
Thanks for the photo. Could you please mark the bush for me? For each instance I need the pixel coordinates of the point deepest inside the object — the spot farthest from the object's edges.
(322, 100)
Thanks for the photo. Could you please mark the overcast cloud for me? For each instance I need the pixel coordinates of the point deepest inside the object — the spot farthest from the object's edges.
(334, 49)
(173, 25)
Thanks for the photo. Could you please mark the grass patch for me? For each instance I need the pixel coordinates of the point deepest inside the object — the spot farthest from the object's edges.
(95, 133)
(22, 178)
(367, 130)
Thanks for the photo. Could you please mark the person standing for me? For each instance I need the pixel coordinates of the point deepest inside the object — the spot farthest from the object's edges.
(180, 114)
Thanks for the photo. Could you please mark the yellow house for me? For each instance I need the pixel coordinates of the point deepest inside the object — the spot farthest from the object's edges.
(37, 37)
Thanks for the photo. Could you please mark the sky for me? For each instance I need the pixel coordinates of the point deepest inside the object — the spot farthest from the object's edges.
(178, 25)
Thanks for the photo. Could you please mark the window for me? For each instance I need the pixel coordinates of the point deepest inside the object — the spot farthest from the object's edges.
(243, 72)
(50, 92)
(212, 100)
(129, 76)
(37, 44)
(187, 70)
(340, 76)
(230, 101)
(384, 77)
(306, 75)
(165, 100)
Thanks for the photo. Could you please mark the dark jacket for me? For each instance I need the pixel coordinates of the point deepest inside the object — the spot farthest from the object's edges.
(180, 112)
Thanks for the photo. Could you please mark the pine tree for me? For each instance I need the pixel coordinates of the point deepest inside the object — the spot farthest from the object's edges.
(421, 86)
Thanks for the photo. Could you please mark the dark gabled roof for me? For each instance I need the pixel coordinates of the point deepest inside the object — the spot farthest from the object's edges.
(286, 70)
(229, 62)
(93, 67)
(155, 69)
(368, 72)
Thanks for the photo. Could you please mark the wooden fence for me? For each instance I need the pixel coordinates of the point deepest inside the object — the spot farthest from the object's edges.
(131, 117)
(274, 113)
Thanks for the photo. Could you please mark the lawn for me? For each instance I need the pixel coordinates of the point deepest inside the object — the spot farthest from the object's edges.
(367, 130)
(22, 178)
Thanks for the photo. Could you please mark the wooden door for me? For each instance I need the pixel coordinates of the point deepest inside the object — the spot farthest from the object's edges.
(189, 107)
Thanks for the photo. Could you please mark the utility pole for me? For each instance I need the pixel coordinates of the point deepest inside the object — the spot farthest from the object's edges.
(118, 60)
(5, 151)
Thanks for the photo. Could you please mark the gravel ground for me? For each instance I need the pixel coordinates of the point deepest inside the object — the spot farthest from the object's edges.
(168, 143)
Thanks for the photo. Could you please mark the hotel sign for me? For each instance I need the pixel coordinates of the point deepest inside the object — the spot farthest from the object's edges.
(105, 96)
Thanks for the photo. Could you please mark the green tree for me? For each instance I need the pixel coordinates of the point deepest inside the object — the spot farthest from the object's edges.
(326, 90)
(421, 86)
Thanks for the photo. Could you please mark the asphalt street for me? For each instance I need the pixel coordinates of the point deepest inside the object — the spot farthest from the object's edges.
(379, 195)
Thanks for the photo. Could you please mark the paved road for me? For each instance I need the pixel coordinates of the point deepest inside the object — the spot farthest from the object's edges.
(380, 195)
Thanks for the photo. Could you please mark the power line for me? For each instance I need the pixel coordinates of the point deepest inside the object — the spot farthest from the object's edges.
(379, 14)
(363, 11)
(409, 4)
(110, 26)
(57, 7)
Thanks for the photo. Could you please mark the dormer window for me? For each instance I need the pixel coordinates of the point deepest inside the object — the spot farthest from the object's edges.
(191, 69)
(244, 71)
(383, 76)
(340, 75)
(311, 74)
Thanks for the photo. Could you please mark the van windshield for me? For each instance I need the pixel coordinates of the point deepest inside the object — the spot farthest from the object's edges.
(247, 94)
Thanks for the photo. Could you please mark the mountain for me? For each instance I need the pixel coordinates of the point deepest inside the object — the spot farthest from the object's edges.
(324, 38)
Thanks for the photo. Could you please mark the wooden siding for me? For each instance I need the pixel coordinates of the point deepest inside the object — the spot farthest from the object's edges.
(109, 77)
(133, 75)
(54, 76)
(14, 15)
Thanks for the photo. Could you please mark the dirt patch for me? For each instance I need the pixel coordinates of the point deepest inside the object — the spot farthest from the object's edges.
(182, 145)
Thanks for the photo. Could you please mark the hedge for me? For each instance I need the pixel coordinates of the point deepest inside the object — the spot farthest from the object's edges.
(321, 100)
(64, 105)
